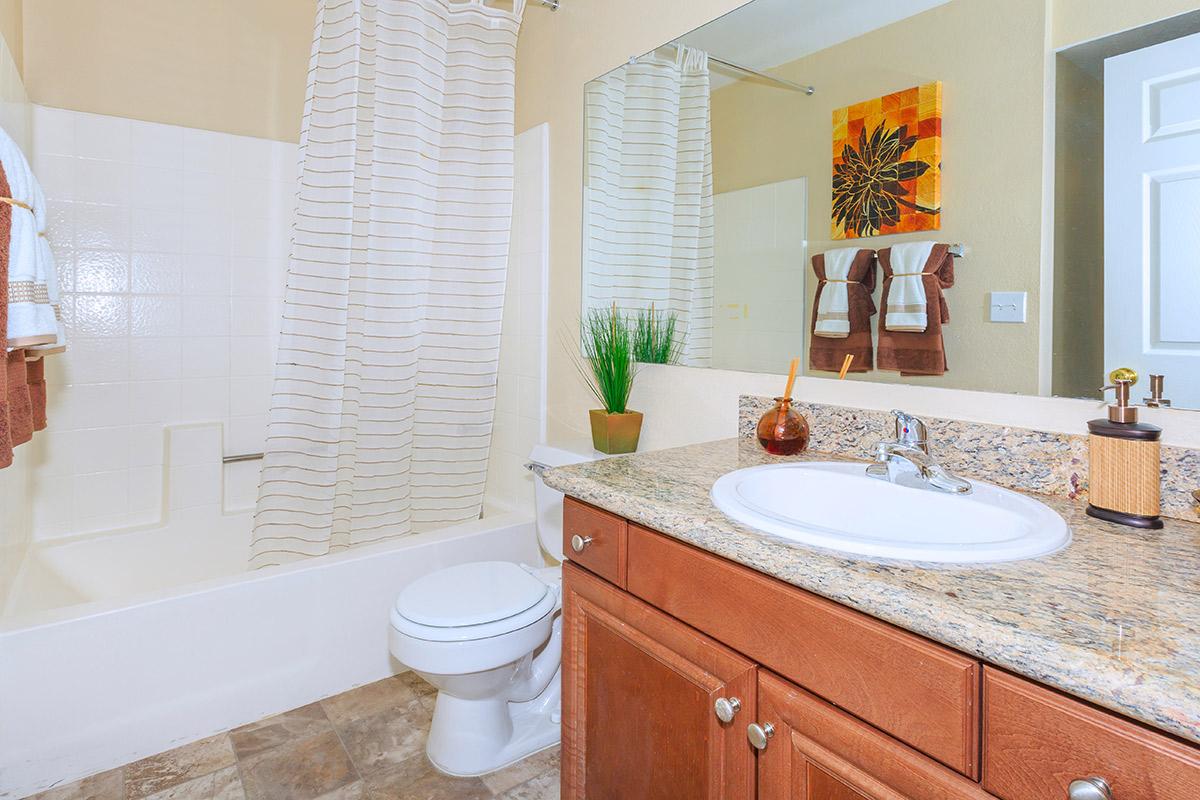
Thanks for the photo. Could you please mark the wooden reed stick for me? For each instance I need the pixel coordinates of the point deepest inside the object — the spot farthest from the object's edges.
(846, 366)
(787, 392)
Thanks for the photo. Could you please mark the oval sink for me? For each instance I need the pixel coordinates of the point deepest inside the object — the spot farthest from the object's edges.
(837, 506)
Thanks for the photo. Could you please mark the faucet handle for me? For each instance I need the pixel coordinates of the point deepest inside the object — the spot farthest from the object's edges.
(909, 429)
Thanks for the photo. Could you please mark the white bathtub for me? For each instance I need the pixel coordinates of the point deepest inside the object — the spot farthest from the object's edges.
(119, 646)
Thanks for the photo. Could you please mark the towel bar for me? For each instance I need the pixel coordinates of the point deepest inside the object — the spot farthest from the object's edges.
(242, 457)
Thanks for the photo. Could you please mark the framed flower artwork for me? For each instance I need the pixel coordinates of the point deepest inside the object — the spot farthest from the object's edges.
(887, 164)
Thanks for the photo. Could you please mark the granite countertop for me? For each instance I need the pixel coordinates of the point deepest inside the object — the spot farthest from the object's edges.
(1114, 618)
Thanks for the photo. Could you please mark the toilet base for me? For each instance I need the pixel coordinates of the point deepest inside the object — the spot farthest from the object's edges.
(469, 738)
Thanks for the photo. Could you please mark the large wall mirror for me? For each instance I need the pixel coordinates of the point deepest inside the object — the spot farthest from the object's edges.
(911, 190)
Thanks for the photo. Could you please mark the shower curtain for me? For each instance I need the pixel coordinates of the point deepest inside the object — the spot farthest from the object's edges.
(649, 205)
(385, 379)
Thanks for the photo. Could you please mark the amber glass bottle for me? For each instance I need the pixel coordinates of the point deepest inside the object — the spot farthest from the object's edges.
(783, 430)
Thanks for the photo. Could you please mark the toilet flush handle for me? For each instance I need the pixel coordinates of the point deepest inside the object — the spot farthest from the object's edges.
(579, 543)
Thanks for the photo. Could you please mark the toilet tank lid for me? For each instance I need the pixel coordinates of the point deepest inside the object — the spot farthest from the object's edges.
(558, 456)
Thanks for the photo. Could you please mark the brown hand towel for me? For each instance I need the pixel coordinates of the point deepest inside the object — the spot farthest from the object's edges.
(919, 352)
(6, 211)
(827, 354)
(35, 375)
(20, 411)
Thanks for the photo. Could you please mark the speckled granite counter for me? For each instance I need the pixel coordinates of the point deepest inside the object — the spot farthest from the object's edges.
(1114, 618)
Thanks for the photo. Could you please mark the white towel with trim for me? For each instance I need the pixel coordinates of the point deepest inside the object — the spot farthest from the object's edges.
(833, 310)
(30, 316)
(907, 304)
(49, 268)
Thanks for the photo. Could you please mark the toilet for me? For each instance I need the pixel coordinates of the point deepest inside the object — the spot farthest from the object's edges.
(488, 636)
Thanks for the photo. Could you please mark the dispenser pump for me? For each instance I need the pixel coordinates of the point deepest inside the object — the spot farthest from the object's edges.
(1123, 380)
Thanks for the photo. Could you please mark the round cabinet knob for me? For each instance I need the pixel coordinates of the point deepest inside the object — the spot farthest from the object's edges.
(1093, 788)
(759, 734)
(726, 710)
(578, 543)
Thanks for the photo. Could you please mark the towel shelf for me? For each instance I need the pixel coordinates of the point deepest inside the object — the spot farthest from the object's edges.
(242, 457)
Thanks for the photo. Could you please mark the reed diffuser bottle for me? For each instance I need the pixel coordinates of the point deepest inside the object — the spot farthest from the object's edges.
(783, 431)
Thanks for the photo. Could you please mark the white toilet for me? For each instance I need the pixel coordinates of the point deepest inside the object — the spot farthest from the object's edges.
(488, 635)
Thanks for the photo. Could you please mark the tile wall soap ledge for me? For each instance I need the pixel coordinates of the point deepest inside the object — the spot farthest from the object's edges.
(1113, 619)
(1018, 458)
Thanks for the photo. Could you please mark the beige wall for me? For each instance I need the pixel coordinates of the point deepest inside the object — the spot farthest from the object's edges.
(1076, 21)
(10, 29)
(991, 153)
(226, 65)
(561, 51)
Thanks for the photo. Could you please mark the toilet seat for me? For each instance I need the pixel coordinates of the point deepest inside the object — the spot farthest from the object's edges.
(467, 602)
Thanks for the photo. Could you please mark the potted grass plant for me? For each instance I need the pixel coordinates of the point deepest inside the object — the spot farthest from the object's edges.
(608, 349)
(654, 337)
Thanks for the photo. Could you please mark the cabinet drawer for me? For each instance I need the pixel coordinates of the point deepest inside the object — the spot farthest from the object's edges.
(603, 539)
(920, 692)
(1036, 741)
(820, 753)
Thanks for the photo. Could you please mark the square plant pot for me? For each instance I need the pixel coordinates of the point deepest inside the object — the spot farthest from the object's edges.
(615, 433)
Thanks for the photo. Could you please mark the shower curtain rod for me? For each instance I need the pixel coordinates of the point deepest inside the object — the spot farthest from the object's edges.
(796, 87)
(799, 87)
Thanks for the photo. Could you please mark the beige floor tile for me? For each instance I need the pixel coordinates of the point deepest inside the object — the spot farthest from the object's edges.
(543, 787)
(524, 770)
(351, 791)
(104, 786)
(224, 784)
(383, 740)
(301, 723)
(165, 770)
(416, 779)
(299, 770)
(391, 693)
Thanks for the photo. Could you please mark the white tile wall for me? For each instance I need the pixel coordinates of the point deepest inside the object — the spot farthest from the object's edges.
(759, 272)
(520, 420)
(172, 246)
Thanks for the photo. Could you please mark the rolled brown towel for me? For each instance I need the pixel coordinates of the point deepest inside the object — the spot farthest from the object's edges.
(20, 411)
(35, 376)
(827, 354)
(919, 352)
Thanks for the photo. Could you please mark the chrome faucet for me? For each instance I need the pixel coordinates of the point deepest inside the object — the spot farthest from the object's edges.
(908, 454)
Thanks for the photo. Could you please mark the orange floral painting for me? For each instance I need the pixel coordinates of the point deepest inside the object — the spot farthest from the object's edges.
(887, 164)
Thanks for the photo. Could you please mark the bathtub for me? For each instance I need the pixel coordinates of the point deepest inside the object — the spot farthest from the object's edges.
(117, 646)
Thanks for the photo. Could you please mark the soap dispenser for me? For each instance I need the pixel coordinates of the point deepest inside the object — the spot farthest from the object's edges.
(1124, 461)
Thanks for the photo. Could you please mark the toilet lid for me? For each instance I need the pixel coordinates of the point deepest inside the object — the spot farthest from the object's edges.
(470, 594)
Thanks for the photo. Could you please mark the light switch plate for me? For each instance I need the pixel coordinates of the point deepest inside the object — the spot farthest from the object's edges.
(1008, 306)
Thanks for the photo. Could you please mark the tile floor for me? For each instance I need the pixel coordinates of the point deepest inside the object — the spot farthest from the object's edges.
(365, 744)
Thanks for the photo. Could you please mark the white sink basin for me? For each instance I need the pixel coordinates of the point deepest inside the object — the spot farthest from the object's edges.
(837, 506)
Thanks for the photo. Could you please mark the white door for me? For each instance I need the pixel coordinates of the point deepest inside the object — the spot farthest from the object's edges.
(1152, 215)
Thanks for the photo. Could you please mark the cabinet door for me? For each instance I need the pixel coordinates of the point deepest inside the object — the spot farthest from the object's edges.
(817, 752)
(639, 703)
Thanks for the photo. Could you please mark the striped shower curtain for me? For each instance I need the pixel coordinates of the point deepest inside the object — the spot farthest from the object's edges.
(385, 380)
(649, 193)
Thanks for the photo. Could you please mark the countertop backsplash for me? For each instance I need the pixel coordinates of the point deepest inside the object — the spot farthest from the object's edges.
(1018, 458)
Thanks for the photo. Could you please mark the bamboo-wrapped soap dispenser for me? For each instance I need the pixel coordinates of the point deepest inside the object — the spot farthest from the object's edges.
(1124, 462)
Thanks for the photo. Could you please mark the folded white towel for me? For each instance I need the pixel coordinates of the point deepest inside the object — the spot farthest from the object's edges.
(30, 316)
(49, 269)
(906, 303)
(833, 309)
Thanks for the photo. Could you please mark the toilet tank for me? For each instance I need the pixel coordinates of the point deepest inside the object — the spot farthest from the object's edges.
(549, 502)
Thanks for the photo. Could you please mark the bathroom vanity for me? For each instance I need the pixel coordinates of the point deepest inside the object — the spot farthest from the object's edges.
(705, 660)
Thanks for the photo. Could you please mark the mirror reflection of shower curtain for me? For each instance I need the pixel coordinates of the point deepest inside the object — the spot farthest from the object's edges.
(385, 380)
(649, 194)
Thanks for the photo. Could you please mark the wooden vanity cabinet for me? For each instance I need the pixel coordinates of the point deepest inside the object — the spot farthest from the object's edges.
(639, 697)
(844, 706)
